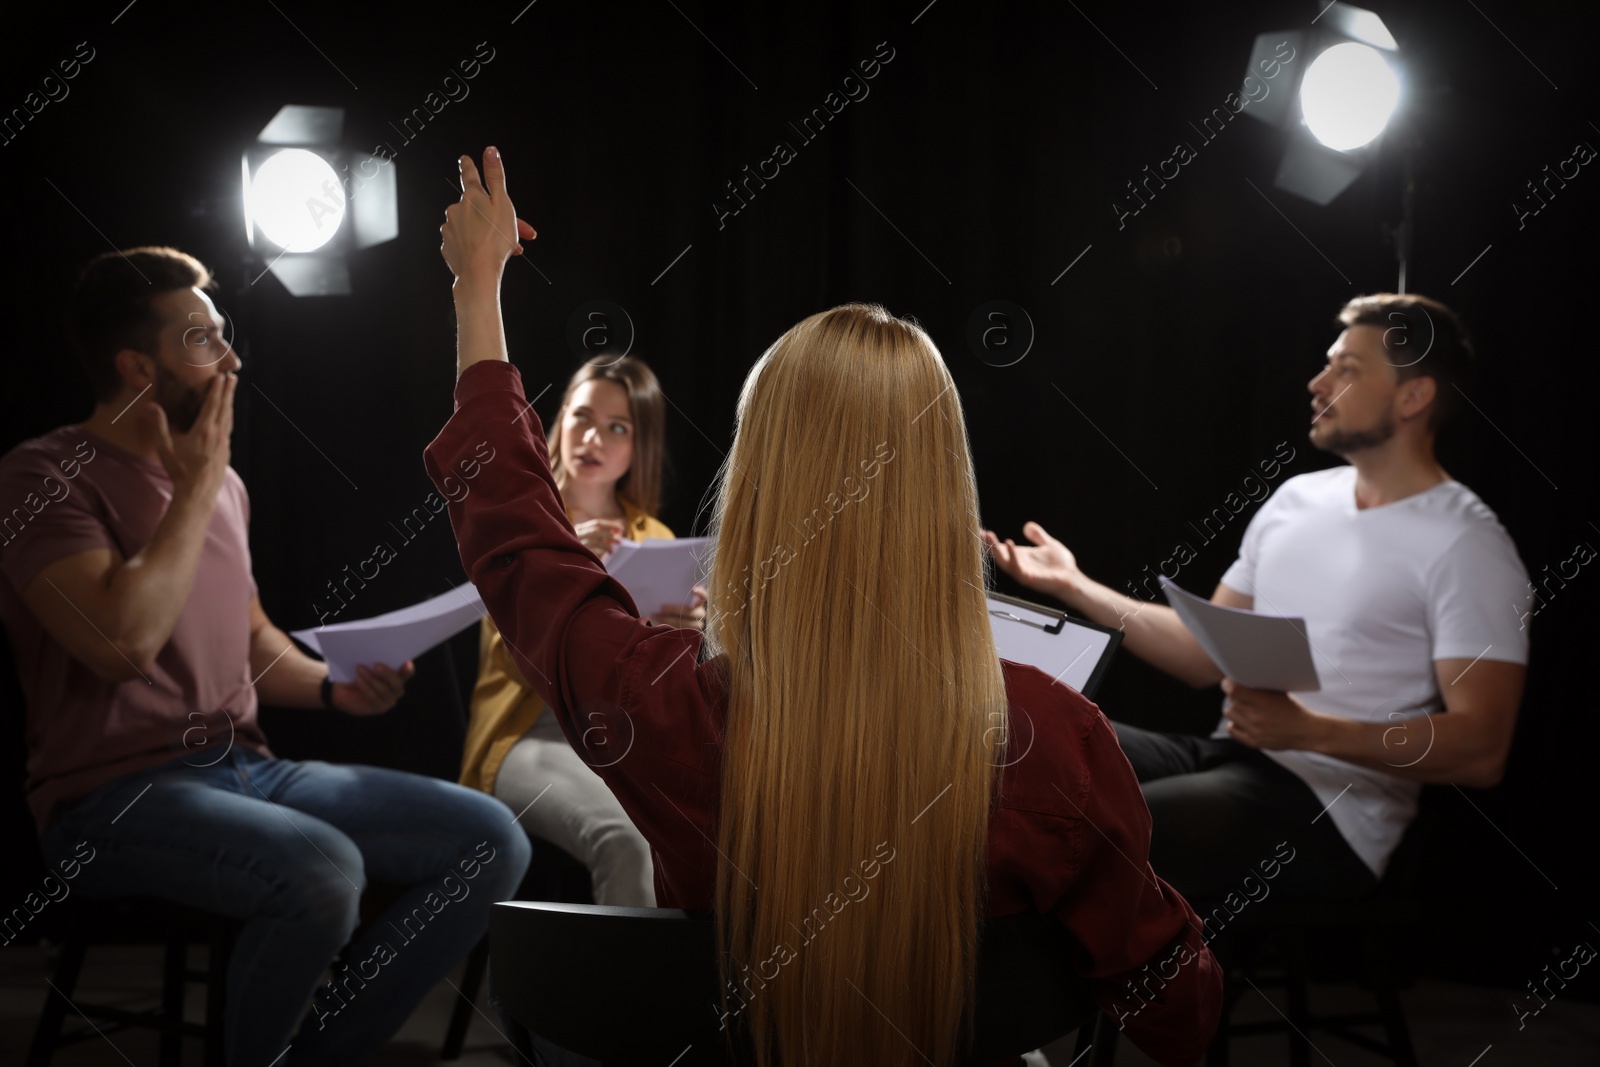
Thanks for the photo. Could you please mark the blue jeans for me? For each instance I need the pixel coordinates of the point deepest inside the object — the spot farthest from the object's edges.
(287, 847)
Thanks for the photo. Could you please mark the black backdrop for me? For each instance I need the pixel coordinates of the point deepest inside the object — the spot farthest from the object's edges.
(1168, 361)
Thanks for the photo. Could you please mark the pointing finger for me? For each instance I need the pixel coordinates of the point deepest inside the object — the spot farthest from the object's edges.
(214, 410)
(470, 182)
(494, 172)
(211, 403)
(227, 404)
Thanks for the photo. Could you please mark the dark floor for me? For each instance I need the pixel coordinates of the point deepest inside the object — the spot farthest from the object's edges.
(1452, 1025)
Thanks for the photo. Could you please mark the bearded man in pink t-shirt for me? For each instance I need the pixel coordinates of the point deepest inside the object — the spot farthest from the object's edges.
(143, 649)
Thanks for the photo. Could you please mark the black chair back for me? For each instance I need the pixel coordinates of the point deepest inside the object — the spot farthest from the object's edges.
(639, 985)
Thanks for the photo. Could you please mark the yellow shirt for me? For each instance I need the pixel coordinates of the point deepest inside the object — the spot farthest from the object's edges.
(504, 705)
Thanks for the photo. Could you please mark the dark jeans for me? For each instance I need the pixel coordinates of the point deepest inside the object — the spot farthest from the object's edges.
(287, 846)
(1220, 810)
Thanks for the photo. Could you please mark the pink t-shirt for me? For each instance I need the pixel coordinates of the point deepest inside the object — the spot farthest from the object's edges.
(69, 492)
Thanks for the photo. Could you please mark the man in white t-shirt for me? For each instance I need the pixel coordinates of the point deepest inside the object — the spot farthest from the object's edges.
(1414, 601)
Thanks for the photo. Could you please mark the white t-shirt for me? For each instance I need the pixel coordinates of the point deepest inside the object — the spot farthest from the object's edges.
(1384, 592)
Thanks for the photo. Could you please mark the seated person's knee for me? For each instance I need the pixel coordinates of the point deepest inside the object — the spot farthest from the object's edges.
(497, 848)
(325, 898)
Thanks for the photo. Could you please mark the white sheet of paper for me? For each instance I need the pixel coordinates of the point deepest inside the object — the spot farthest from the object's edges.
(1260, 651)
(658, 571)
(396, 636)
(1069, 656)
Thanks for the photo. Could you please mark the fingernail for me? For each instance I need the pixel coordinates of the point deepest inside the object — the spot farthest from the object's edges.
(493, 153)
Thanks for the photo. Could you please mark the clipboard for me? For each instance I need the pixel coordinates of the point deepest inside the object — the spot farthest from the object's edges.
(1069, 649)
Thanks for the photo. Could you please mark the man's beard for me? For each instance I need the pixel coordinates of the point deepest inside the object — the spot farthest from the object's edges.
(1347, 442)
(181, 402)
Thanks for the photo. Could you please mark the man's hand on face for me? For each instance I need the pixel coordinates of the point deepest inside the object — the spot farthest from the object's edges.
(197, 459)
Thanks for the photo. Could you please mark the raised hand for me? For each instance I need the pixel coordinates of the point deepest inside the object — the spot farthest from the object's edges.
(1048, 566)
(481, 231)
(197, 460)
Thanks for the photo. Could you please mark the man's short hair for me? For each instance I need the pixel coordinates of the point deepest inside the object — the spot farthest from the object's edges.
(110, 307)
(1422, 338)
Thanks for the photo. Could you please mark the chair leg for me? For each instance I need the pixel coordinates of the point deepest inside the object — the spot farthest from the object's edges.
(57, 1003)
(466, 1000)
(1381, 977)
(218, 957)
(1105, 1040)
(1087, 1035)
(175, 964)
(1295, 983)
(1217, 1052)
(1394, 1025)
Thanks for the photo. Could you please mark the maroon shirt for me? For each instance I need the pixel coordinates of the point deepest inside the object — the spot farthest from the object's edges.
(1071, 834)
(69, 492)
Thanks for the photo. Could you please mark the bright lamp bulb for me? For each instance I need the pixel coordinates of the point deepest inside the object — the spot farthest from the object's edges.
(1348, 94)
(296, 200)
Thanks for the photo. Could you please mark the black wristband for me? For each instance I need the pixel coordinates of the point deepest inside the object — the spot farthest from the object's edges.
(327, 693)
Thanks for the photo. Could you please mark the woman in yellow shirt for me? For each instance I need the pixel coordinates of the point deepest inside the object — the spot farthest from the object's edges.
(606, 452)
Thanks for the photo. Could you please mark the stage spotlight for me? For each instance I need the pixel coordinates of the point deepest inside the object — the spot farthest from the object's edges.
(296, 199)
(1348, 94)
(307, 201)
(1341, 91)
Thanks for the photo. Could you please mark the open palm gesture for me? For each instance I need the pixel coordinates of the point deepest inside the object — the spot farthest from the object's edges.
(1047, 565)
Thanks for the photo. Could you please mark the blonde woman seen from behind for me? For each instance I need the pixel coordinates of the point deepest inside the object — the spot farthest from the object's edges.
(842, 769)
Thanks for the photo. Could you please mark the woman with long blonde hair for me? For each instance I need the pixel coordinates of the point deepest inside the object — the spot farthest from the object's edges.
(841, 767)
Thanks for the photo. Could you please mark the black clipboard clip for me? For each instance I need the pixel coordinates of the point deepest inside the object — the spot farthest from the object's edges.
(1057, 627)
(1038, 609)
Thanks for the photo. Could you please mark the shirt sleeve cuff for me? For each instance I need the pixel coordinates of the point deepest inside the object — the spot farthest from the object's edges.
(488, 376)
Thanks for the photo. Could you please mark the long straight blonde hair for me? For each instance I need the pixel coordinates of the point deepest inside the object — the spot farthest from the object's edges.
(864, 690)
